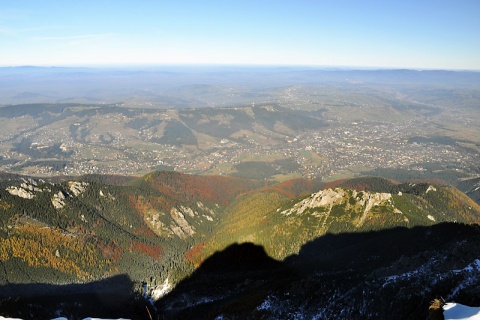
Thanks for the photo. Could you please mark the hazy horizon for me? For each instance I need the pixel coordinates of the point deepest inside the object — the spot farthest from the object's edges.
(236, 67)
(439, 35)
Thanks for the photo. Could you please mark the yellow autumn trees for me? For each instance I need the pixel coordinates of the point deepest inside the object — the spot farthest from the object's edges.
(52, 248)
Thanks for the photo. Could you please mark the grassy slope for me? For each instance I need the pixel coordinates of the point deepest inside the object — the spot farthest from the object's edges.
(256, 217)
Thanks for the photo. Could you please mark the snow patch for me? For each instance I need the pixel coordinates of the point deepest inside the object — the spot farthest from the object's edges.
(161, 290)
(266, 305)
(474, 266)
(472, 269)
(460, 312)
(270, 303)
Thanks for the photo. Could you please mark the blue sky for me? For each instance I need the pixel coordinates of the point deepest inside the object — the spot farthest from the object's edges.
(417, 34)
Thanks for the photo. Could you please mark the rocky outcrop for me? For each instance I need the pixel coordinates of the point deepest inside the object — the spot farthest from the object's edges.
(58, 200)
(21, 192)
(77, 187)
(181, 227)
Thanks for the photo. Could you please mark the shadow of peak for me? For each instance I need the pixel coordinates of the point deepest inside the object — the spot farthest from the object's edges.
(359, 250)
(233, 281)
(112, 297)
(334, 270)
(239, 258)
(117, 283)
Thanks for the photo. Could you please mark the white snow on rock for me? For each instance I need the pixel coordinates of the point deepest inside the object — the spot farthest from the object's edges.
(2, 318)
(456, 311)
(472, 270)
(474, 266)
(266, 305)
(161, 290)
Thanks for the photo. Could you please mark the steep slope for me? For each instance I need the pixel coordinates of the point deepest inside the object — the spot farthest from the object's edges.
(158, 228)
(388, 274)
(183, 206)
(76, 230)
(61, 232)
(282, 225)
(247, 216)
(471, 187)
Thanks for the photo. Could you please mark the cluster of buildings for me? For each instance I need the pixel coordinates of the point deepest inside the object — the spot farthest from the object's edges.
(318, 153)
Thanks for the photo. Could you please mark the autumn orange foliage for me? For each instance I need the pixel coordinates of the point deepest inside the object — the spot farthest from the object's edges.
(50, 247)
(111, 252)
(214, 189)
(153, 251)
(193, 255)
(334, 184)
(293, 188)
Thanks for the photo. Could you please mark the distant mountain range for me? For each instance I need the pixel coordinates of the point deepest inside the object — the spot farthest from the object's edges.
(363, 248)
(191, 86)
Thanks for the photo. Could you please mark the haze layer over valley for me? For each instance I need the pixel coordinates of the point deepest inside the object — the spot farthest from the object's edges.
(261, 123)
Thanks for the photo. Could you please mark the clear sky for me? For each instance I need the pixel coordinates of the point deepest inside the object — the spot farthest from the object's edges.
(421, 34)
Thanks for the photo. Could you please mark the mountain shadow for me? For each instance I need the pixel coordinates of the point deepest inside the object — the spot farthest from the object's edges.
(114, 297)
(233, 280)
(388, 274)
(363, 251)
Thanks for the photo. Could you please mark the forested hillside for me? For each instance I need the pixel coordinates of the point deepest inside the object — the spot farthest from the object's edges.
(283, 224)
(159, 228)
